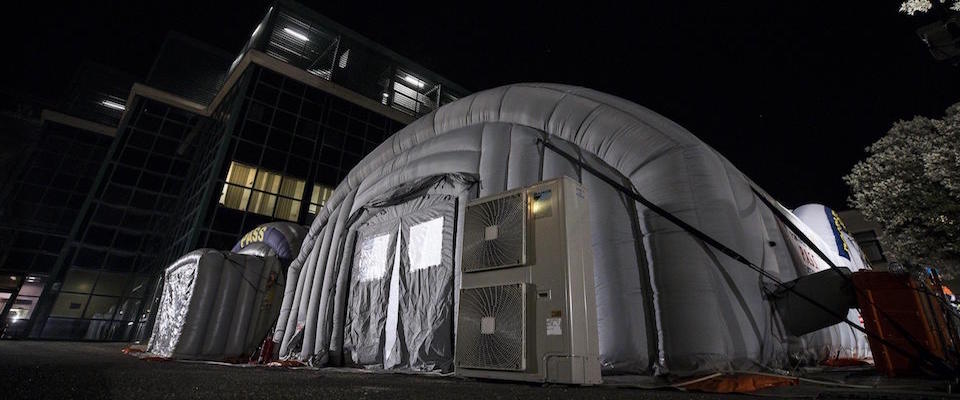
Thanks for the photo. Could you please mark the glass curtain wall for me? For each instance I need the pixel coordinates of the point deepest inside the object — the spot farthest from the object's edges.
(290, 147)
(43, 202)
(248, 188)
(108, 265)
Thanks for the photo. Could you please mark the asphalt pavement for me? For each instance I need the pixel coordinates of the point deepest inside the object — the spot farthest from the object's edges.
(84, 370)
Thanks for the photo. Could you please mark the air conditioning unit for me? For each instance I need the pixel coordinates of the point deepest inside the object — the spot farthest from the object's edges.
(527, 306)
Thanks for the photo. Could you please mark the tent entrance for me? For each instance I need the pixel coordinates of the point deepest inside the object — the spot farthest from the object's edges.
(400, 308)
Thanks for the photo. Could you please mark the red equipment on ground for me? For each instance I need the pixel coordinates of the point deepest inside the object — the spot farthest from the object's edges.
(911, 315)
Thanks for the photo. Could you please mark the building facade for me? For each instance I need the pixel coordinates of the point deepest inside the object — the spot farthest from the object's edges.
(56, 161)
(867, 234)
(210, 146)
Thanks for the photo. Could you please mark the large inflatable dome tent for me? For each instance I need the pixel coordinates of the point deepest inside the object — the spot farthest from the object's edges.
(667, 303)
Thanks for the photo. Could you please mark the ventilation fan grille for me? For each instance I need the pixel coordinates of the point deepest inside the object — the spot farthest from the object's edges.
(494, 231)
(491, 328)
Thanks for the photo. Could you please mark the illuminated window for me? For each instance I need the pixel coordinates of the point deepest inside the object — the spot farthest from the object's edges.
(264, 199)
(411, 94)
(319, 197)
(238, 177)
(26, 299)
(262, 192)
(288, 204)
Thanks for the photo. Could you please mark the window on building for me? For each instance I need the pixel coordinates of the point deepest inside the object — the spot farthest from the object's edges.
(264, 199)
(319, 197)
(234, 194)
(24, 302)
(288, 204)
(252, 189)
(411, 94)
(870, 245)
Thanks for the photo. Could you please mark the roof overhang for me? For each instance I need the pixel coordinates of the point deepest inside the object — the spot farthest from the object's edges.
(256, 57)
(79, 123)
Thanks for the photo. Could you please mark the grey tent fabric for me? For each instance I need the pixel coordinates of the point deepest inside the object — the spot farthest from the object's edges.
(426, 285)
(370, 291)
(176, 302)
(215, 305)
(667, 303)
(282, 239)
(330, 334)
(400, 308)
(841, 340)
(266, 299)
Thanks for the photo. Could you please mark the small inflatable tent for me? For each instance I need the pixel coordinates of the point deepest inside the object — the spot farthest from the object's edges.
(279, 239)
(841, 340)
(667, 303)
(220, 305)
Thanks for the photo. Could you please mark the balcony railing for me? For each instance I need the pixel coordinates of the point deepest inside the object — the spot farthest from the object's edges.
(300, 37)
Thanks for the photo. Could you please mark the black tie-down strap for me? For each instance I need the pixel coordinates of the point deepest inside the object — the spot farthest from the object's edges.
(924, 357)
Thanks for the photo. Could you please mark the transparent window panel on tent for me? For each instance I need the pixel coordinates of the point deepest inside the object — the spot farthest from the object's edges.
(372, 264)
(426, 244)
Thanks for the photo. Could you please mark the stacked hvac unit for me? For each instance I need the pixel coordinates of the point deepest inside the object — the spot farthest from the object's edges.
(527, 306)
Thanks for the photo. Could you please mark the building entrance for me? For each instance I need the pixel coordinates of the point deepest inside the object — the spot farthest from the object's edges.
(18, 297)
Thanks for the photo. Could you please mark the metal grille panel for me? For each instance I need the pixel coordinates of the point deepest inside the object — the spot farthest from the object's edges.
(494, 233)
(491, 331)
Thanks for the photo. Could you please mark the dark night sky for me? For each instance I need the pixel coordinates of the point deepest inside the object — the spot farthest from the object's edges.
(790, 92)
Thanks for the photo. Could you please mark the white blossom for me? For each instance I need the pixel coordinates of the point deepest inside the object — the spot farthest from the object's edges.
(911, 7)
(910, 185)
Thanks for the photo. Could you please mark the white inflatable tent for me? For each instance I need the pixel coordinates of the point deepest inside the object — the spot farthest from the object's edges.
(219, 305)
(667, 302)
(841, 340)
(210, 307)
